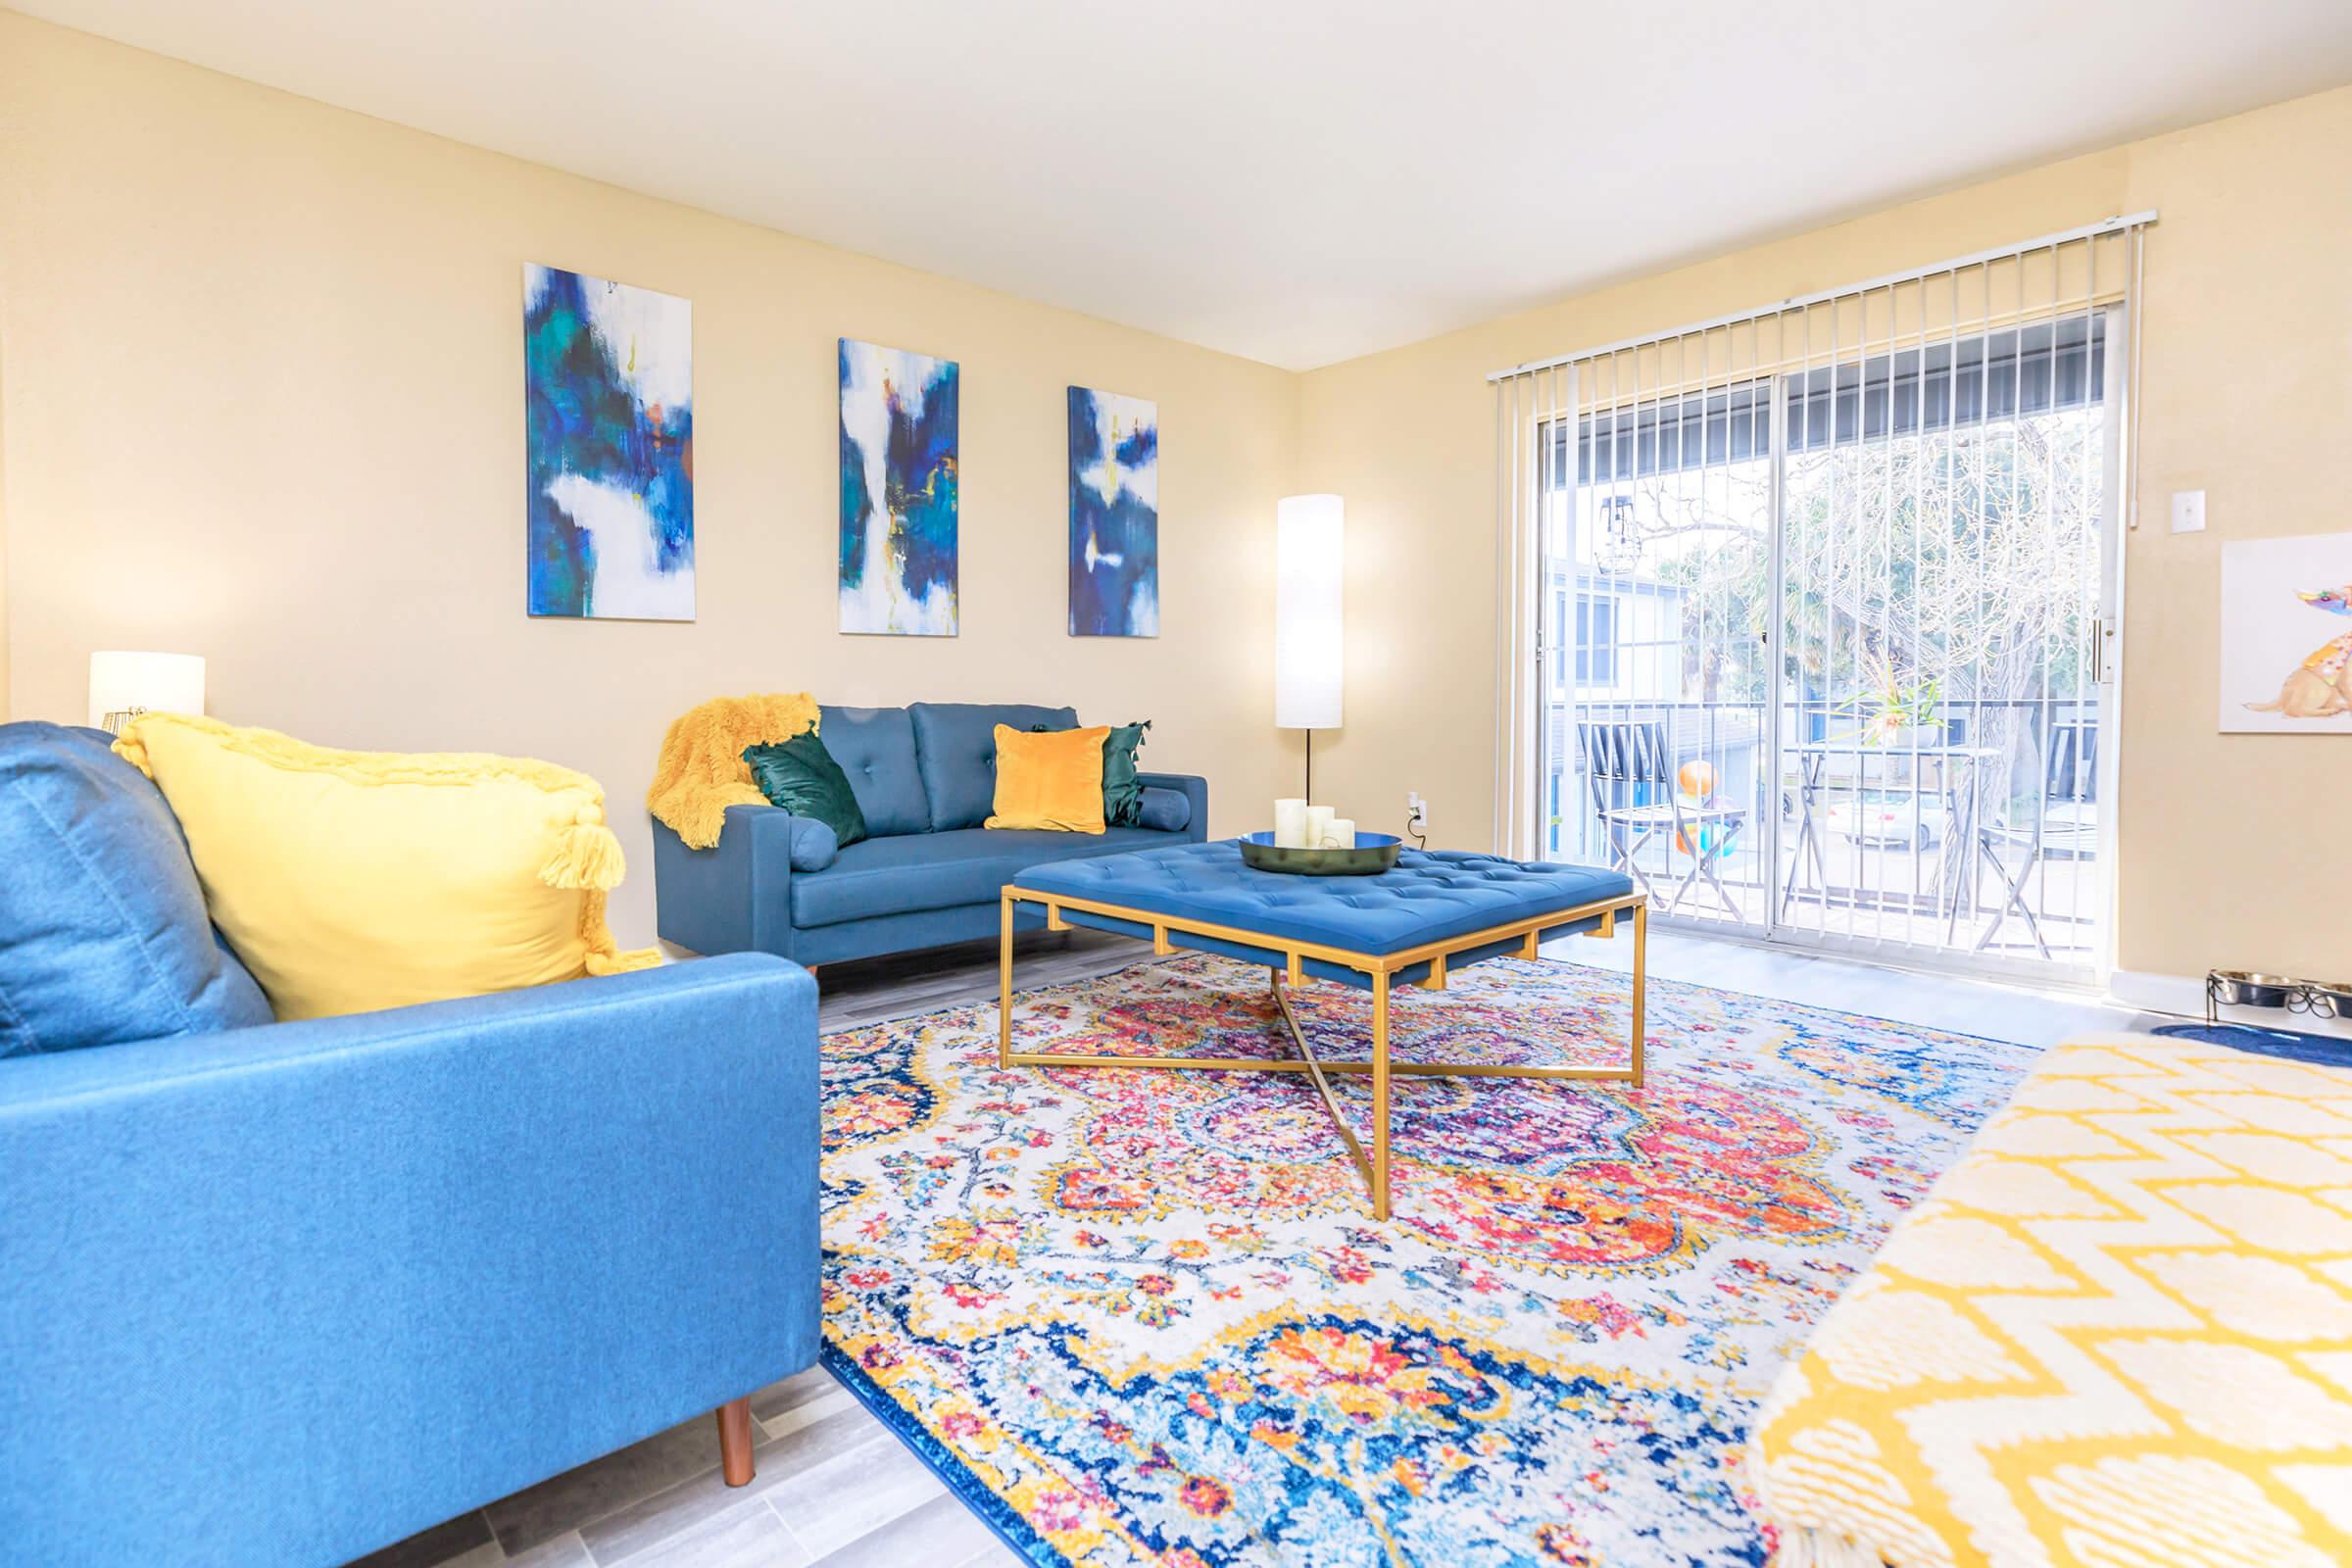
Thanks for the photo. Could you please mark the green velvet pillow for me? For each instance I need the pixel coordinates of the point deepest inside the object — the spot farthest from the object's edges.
(1122, 791)
(801, 776)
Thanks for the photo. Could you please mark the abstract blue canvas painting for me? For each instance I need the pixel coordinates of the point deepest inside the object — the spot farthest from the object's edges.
(609, 400)
(898, 492)
(1114, 516)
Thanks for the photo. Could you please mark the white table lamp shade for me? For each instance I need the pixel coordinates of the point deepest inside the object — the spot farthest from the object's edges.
(130, 683)
(1311, 558)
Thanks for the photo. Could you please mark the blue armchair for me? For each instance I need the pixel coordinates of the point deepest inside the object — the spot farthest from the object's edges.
(290, 1292)
(925, 778)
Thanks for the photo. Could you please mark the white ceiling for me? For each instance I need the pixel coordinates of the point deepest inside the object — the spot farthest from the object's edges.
(1295, 181)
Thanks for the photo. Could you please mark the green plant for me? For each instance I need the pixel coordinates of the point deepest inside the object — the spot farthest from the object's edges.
(1890, 707)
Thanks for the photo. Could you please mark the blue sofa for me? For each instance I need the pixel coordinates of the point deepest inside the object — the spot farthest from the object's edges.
(286, 1293)
(925, 776)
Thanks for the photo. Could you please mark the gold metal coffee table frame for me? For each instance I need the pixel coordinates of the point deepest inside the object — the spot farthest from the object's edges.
(1380, 969)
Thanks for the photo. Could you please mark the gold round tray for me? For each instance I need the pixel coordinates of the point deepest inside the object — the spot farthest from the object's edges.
(1374, 853)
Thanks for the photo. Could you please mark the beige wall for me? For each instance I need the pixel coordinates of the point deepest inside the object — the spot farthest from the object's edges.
(2247, 377)
(261, 400)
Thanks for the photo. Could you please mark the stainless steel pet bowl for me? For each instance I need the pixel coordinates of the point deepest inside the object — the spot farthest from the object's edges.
(2331, 998)
(2243, 988)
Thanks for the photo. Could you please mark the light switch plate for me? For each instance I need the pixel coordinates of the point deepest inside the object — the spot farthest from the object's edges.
(2189, 512)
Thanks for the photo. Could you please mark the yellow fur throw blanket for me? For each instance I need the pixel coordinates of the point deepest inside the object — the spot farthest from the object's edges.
(701, 772)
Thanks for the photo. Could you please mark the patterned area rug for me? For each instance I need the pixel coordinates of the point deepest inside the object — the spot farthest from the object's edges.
(1145, 1317)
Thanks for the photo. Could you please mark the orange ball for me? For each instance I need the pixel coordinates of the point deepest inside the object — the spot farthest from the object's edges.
(1697, 778)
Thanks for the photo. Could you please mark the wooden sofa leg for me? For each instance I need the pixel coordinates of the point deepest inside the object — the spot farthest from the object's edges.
(735, 1440)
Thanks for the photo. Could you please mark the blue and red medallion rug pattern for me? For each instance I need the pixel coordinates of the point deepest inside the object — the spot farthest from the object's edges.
(1146, 1317)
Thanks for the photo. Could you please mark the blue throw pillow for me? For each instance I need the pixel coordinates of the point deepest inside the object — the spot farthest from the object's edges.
(1165, 811)
(813, 845)
(103, 934)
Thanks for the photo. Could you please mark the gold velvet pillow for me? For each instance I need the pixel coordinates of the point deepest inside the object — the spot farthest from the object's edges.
(1049, 780)
(351, 881)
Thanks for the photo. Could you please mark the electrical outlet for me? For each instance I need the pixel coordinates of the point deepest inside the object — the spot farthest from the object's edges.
(1416, 814)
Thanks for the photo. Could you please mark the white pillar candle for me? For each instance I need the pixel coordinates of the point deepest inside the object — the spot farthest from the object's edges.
(1343, 833)
(1289, 822)
(1318, 827)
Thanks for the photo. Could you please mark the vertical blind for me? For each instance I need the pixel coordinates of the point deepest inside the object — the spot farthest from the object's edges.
(2020, 329)
(2031, 369)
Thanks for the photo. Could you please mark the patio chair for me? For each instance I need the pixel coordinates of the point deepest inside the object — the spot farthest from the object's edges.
(2064, 828)
(1632, 760)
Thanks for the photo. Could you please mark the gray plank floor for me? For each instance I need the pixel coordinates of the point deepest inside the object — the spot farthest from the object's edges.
(834, 1488)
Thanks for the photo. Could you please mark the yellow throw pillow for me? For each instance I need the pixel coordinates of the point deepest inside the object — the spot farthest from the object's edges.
(351, 881)
(1051, 778)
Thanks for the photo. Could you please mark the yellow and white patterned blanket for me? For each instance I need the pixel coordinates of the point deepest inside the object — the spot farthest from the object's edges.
(2118, 1333)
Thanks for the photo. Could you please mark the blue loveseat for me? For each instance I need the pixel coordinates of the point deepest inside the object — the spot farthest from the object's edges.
(286, 1293)
(925, 776)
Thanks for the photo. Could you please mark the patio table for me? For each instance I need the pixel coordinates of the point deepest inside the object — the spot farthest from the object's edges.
(1958, 782)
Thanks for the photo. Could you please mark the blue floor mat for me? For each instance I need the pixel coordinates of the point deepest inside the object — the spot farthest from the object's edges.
(2319, 1049)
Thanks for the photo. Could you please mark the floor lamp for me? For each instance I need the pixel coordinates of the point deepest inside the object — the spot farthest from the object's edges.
(1310, 556)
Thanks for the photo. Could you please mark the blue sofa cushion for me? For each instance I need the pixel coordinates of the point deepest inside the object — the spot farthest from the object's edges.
(1164, 810)
(956, 743)
(941, 870)
(876, 748)
(103, 934)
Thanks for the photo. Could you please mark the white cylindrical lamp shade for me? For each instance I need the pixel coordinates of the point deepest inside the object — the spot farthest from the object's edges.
(1310, 559)
(136, 683)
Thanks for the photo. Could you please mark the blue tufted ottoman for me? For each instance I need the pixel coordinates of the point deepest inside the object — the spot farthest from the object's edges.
(1436, 910)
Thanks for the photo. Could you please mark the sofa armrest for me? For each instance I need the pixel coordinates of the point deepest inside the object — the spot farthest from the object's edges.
(734, 898)
(1194, 789)
(384, 1268)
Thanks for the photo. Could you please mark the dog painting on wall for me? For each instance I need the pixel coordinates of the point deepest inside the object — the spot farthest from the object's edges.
(2320, 688)
(2261, 634)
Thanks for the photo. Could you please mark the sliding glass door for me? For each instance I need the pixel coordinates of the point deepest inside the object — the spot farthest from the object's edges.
(1941, 587)
(1658, 561)
(1825, 631)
